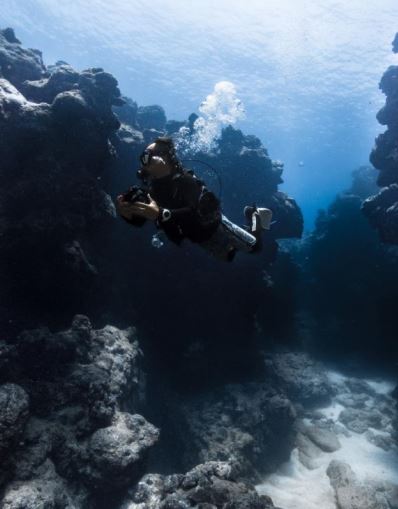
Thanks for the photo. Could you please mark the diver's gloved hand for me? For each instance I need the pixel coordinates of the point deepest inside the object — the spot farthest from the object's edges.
(149, 210)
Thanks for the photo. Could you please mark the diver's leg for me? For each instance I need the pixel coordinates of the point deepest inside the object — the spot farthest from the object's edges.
(219, 245)
(230, 238)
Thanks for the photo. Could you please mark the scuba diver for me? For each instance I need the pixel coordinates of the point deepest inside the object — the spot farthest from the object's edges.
(182, 206)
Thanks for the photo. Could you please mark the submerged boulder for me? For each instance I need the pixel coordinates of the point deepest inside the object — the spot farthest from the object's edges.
(382, 211)
(117, 454)
(18, 64)
(80, 434)
(350, 493)
(360, 420)
(14, 412)
(151, 117)
(302, 378)
(325, 439)
(211, 485)
(239, 423)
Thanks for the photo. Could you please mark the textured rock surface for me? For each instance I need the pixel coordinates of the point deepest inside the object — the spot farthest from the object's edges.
(117, 453)
(351, 494)
(212, 485)
(18, 64)
(382, 209)
(308, 451)
(80, 439)
(349, 281)
(55, 125)
(325, 439)
(301, 377)
(14, 411)
(240, 424)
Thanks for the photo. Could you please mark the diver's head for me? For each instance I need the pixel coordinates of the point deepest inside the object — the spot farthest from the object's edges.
(159, 159)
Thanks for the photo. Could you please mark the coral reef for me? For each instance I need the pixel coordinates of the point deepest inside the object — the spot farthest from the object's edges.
(55, 125)
(211, 485)
(349, 281)
(382, 208)
(69, 427)
(238, 423)
(72, 437)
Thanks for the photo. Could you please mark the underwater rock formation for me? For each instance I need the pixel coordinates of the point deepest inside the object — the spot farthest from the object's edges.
(55, 125)
(301, 378)
(210, 485)
(382, 208)
(349, 492)
(69, 429)
(240, 424)
(350, 281)
(72, 438)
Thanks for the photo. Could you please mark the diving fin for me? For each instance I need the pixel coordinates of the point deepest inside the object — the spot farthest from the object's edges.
(265, 218)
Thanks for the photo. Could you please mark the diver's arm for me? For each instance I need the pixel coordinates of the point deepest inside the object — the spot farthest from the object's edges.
(174, 214)
(190, 193)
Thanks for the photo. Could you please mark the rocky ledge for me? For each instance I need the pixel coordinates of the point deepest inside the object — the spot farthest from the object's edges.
(72, 434)
(382, 208)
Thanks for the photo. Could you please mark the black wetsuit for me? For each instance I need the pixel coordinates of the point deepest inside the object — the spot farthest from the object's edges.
(180, 194)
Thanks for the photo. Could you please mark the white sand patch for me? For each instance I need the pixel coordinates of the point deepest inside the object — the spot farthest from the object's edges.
(332, 411)
(381, 386)
(294, 486)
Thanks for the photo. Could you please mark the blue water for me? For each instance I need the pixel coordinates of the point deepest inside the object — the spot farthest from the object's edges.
(307, 72)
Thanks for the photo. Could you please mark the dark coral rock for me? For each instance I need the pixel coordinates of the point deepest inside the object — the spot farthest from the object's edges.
(381, 209)
(352, 493)
(239, 423)
(9, 35)
(49, 492)
(127, 113)
(301, 378)
(80, 437)
(151, 117)
(395, 44)
(212, 485)
(62, 78)
(118, 453)
(16, 63)
(350, 278)
(382, 212)
(173, 126)
(55, 130)
(14, 412)
(287, 216)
